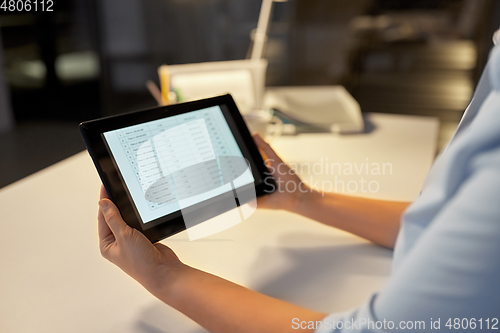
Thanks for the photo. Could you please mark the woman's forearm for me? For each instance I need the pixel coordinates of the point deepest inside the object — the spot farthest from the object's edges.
(375, 220)
(222, 306)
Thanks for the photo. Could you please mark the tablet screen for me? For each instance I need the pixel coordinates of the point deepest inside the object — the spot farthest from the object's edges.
(181, 150)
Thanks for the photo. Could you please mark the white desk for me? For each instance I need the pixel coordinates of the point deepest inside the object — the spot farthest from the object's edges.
(53, 278)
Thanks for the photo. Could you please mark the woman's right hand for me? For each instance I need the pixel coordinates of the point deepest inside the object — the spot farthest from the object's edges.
(290, 190)
(149, 264)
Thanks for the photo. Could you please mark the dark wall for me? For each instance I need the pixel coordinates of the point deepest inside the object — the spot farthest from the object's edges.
(92, 57)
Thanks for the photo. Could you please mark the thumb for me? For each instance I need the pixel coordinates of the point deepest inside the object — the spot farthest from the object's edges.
(112, 216)
(266, 148)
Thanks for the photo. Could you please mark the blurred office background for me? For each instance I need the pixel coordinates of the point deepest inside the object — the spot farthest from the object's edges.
(91, 58)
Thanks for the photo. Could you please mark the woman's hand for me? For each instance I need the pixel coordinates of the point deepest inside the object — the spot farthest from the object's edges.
(127, 248)
(290, 191)
(214, 303)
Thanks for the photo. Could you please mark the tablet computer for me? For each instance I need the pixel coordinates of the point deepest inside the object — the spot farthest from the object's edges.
(173, 167)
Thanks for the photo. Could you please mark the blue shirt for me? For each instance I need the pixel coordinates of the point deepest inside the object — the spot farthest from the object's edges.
(447, 255)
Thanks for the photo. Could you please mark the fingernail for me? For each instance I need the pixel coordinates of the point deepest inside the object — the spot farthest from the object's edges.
(104, 204)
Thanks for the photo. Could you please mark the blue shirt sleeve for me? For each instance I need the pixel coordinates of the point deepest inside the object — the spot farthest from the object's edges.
(447, 257)
(452, 271)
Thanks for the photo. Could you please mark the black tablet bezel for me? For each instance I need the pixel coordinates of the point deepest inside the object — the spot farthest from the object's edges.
(115, 186)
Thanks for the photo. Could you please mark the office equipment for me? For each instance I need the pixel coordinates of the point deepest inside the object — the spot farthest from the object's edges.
(243, 79)
(174, 167)
(259, 35)
(264, 124)
(328, 108)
